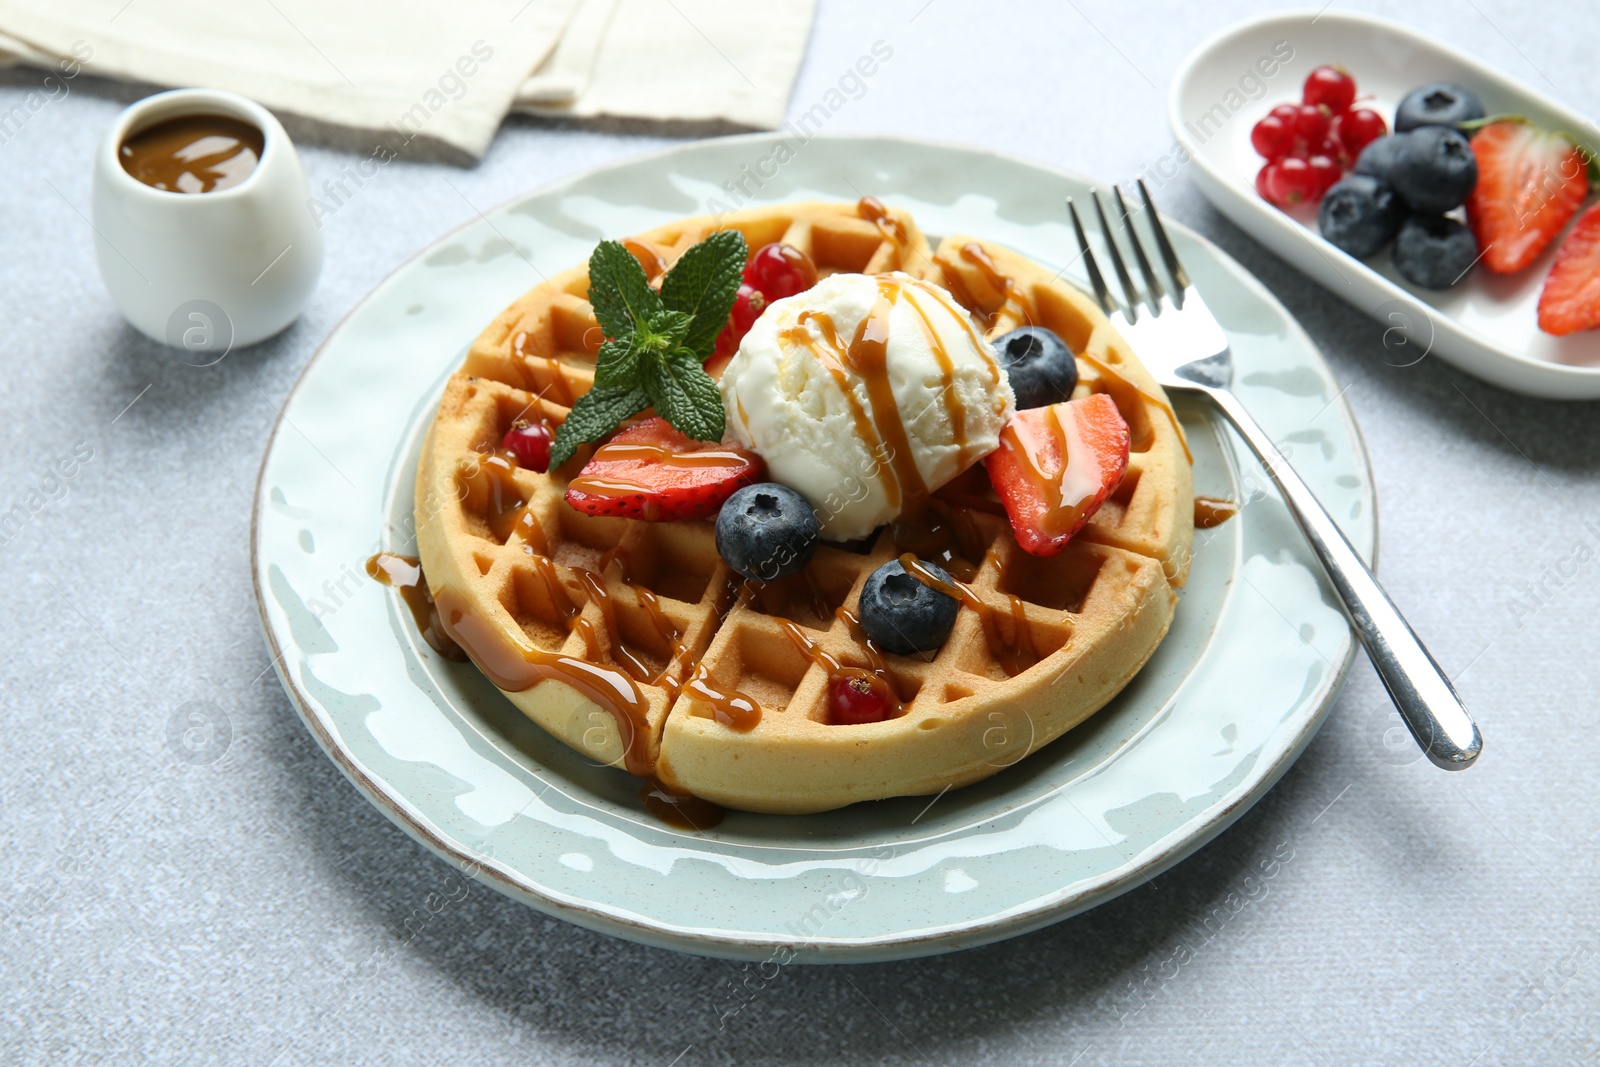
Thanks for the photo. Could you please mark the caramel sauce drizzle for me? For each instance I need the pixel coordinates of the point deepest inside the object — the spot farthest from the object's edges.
(873, 210)
(555, 589)
(1069, 489)
(668, 632)
(623, 656)
(665, 628)
(732, 709)
(1016, 304)
(852, 623)
(1015, 653)
(1210, 511)
(1124, 392)
(559, 386)
(682, 810)
(492, 485)
(949, 537)
(515, 668)
(883, 431)
(450, 628)
(533, 539)
(809, 648)
(837, 669)
(823, 341)
(780, 595)
(404, 575)
(947, 373)
(598, 485)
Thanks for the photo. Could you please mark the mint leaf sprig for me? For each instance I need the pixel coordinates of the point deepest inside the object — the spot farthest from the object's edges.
(656, 343)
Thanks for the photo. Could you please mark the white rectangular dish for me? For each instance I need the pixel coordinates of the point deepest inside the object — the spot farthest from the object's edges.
(1487, 325)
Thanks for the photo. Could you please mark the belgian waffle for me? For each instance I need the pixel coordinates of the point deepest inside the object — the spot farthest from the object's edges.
(635, 644)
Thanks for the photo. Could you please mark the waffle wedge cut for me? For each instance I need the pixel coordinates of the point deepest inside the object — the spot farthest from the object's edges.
(636, 645)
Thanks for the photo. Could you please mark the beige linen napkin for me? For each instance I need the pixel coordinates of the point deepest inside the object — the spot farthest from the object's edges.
(684, 60)
(447, 71)
(408, 68)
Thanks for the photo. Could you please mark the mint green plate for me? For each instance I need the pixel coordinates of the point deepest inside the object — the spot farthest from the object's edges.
(1163, 769)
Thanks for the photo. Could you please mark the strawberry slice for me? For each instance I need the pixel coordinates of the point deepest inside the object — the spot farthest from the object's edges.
(653, 472)
(1055, 466)
(1571, 298)
(1530, 184)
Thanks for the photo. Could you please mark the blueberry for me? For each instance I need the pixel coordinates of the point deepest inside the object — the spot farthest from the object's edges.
(1434, 170)
(903, 616)
(1437, 104)
(1433, 251)
(1360, 215)
(1040, 366)
(766, 531)
(1377, 159)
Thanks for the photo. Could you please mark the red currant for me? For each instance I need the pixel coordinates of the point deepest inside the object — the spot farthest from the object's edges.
(1326, 171)
(747, 308)
(1332, 87)
(1264, 181)
(1272, 137)
(859, 698)
(1310, 123)
(1328, 146)
(780, 270)
(1359, 128)
(1292, 182)
(1285, 113)
(530, 443)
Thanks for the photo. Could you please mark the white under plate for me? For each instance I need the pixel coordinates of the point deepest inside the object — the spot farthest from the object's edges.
(1239, 686)
(1488, 325)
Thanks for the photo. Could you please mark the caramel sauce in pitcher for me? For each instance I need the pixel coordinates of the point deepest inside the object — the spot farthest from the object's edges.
(193, 153)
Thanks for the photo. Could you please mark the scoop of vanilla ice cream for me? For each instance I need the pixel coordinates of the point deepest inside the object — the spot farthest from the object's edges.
(865, 420)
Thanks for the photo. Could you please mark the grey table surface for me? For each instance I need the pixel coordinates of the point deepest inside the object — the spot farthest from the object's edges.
(255, 909)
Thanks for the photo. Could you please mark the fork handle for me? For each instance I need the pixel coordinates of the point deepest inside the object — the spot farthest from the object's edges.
(1424, 696)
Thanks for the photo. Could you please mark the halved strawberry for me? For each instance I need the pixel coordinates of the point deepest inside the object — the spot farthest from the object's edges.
(653, 472)
(1055, 466)
(1530, 184)
(1571, 298)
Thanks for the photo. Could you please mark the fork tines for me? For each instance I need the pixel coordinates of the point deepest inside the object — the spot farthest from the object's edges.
(1154, 290)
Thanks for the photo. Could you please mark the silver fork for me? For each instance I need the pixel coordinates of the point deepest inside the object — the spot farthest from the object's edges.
(1178, 339)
